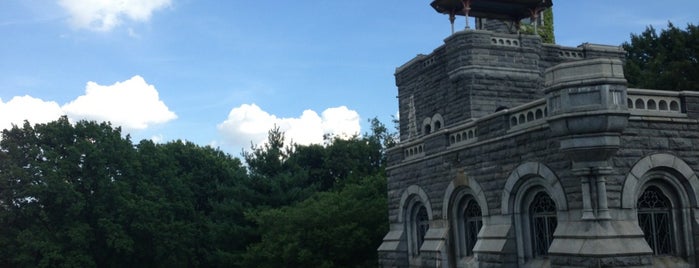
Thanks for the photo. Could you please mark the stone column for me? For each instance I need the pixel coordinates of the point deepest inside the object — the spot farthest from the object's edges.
(602, 208)
(588, 212)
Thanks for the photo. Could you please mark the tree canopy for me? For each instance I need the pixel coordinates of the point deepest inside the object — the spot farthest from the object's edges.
(665, 61)
(81, 195)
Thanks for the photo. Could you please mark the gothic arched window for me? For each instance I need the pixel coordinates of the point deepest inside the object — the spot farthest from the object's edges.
(417, 227)
(655, 219)
(542, 211)
(423, 224)
(472, 223)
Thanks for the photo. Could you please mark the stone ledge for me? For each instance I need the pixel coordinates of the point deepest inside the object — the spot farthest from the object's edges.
(592, 71)
(599, 239)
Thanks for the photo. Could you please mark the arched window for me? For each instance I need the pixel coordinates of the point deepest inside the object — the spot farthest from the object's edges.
(542, 211)
(423, 224)
(418, 225)
(467, 220)
(655, 219)
(472, 223)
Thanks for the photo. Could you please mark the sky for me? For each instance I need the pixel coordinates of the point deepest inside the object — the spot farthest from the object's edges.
(222, 73)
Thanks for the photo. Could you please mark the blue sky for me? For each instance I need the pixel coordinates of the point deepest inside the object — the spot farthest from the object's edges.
(222, 73)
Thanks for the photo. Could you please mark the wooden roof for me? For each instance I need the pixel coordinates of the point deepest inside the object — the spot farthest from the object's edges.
(493, 9)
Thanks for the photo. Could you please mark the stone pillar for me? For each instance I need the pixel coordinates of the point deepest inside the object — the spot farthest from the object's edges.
(602, 207)
(587, 212)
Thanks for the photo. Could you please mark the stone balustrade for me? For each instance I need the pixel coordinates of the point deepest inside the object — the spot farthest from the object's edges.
(529, 113)
(463, 136)
(501, 41)
(414, 151)
(654, 101)
(571, 54)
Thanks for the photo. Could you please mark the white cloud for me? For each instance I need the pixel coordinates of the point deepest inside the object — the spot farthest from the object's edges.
(249, 123)
(27, 108)
(104, 15)
(132, 104)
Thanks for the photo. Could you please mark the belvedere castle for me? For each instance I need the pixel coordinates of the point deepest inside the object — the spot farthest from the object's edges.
(516, 153)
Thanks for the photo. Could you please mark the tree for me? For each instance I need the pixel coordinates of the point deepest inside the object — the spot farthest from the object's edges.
(62, 196)
(669, 61)
(331, 229)
(80, 195)
(341, 222)
(189, 212)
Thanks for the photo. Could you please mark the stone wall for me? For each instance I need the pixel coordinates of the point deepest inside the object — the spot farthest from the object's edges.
(495, 156)
(476, 72)
(506, 126)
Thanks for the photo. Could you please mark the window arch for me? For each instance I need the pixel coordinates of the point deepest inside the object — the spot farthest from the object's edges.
(656, 220)
(418, 223)
(465, 206)
(426, 126)
(414, 204)
(467, 220)
(533, 195)
(543, 222)
(472, 223)
(673, 182)
(437, 122)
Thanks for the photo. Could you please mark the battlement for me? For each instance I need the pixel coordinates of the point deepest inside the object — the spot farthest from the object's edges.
(644, 105)
(477, 72)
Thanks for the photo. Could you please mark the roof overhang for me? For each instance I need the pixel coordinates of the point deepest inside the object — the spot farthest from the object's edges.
(492, 9)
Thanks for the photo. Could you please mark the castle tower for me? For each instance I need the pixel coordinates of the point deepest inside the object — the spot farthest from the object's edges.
(516, 153)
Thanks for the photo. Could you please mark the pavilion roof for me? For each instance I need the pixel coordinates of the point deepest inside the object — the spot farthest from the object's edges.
(493, 9)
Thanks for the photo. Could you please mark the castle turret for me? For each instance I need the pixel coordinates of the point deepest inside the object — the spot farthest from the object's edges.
(516, 153)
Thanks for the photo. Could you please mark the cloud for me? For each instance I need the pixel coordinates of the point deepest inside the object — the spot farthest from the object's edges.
(249, 123)
(104, 15)
(27, 108)
(132, 104)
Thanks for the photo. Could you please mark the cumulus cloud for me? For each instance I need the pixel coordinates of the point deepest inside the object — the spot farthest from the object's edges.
(104, 15)
(27, 108)
(249, 123)
(132, 104)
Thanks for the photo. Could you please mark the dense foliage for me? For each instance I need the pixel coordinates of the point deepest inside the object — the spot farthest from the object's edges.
(669, 61)
(81, 195)
(545, 30)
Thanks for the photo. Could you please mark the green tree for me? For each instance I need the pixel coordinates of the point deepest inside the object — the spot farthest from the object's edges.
(343, 221)
(669, 61)
(80, 195)
(188, 213)
(331, 229)
(62, 196)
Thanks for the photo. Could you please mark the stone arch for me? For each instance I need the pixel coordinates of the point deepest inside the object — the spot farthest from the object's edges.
(408, 196)
(437, 122)
(527, 182)
(677, 181)
(461, 193)
(427, 126)
(528, 175)
(686, 179)
(474, 188)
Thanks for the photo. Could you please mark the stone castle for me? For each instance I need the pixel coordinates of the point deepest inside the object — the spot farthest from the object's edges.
(516, 153)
